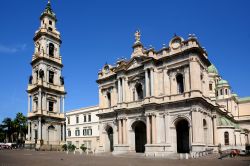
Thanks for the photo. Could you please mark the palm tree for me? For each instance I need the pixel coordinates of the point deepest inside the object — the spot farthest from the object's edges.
(20, 124)
(7, 126)
(2, 134)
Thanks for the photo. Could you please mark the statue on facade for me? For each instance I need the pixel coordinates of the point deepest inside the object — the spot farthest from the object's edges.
(137, 36)
(30, 79)
(62, 80)
(41, 73)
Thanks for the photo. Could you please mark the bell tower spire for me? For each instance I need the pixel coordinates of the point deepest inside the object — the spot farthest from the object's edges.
(46, 90)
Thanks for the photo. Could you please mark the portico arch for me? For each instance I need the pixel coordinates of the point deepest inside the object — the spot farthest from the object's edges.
(182, 135)
(139, 128)
(109, 143)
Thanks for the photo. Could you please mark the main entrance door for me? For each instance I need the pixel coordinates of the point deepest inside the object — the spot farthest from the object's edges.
(140, 136)
(182, 131)
(110, 136)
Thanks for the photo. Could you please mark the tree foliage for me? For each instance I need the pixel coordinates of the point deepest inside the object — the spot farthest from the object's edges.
(13, 130)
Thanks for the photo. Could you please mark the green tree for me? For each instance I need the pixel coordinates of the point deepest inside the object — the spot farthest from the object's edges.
(7, 124)
(20, 125)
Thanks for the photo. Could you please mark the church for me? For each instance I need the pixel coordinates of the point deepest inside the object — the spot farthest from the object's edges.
(158, 102)
(169, 101)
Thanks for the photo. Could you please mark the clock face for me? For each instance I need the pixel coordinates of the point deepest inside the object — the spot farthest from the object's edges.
(176, 44)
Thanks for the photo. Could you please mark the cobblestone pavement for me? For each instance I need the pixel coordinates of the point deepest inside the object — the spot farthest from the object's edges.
(40, 158)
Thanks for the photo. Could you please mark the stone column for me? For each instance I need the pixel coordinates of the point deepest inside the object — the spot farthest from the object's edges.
(167, 129)
(119, 90)
(28, 130)
(63, 134)
(39, 129)
(196, 74)
(63, 104)
(147, 83)
(166, 83)
(186, 79)
(215, 130)
(59, 104)
(152, 81)
(39, 100)
(119, 131)
(194, 126)
(28, 103)
(123, 89)
(153, 129)
(124, 131)
(148, 130)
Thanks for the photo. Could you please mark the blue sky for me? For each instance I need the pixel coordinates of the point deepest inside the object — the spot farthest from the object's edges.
(95, 32)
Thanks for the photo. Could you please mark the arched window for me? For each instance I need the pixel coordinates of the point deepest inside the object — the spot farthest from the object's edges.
(51, 49)
(180, 84)
(226, 91)
(226, 138)
(139, 91)
(109, 99)
(221, 92)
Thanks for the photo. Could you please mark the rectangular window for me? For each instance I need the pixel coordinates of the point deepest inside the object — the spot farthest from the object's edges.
(51, 106)
(69, 133)
(89, 118)
(50, 29)
(84, 132)
(68, 120)
(77, 119)
(51, 77)
(50, 22)
(210, 87)
(85, 118)
(90, 132)
(77, 132)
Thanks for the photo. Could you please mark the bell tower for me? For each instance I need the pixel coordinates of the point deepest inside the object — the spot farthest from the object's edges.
(46, 92)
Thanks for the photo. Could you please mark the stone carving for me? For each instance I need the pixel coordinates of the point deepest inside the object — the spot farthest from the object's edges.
(137, 36)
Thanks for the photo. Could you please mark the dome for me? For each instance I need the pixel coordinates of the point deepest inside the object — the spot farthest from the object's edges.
(212, 69)
(235, 95)
(221, 82)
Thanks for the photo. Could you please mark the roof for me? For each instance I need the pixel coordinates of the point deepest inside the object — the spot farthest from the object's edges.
(48, 11)
(244, 99)
(82, 110)
(212, 69)
(223, 121)
(221, 82)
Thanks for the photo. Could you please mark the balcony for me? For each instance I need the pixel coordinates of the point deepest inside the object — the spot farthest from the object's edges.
(44, 55)
(154, 100)
(40, 82)
(46, 113)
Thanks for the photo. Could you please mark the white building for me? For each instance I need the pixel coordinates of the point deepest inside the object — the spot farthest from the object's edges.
(82, 127)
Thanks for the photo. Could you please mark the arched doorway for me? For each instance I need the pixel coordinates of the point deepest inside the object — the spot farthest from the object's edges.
(51, 135)
(140, 136)
(111, 138)
(182, 131)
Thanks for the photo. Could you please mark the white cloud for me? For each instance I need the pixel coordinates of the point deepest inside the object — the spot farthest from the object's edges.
(12, 49)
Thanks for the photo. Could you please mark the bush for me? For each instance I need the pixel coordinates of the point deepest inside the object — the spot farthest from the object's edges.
(83, 148)
(64, 147)
(71, 147)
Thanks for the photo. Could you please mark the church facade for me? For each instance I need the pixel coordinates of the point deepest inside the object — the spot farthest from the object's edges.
(169, 101)
(46, 119)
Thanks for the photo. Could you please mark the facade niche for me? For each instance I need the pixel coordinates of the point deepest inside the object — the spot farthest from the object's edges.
(109, 99)
(139, 91)
(180, 83)
(51, 49)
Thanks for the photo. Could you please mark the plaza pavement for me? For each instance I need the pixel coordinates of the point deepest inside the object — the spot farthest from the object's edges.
(41, 158)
